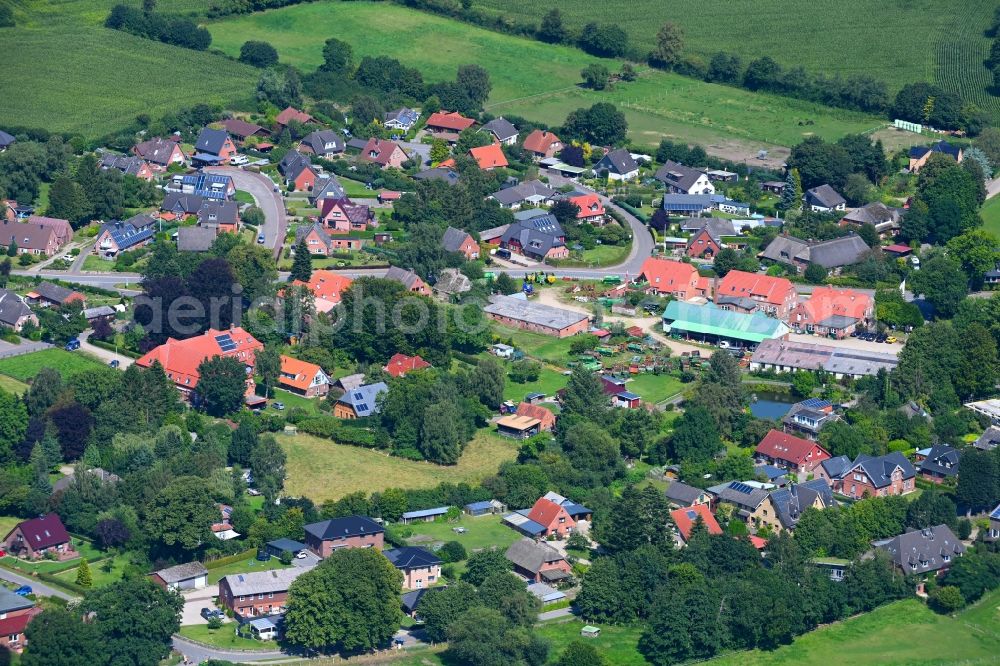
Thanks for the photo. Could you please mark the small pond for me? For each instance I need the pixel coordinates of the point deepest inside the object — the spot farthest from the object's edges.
(771, 405)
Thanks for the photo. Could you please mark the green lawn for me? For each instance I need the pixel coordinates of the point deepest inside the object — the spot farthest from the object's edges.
(290, 400)
(97, 265)
(481, 532)
(63, 72)
(100, 573)
(991, 216)
(243, 566)
(654, 388)
(549, 381)
(616, 644)
(321, 469)
(7, 523)
(537, 345)
(26, 366)
(12, 385)
(244, 197)
(224, 637)
(536, 80)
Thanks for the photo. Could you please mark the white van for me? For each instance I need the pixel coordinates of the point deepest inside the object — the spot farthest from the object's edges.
(239, 160)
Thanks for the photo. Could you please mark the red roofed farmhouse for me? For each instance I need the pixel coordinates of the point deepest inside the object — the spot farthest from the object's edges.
(400, 364)
(38, 537)
(673, 278)
(552, 517)
(790, 452)
(180, 358)
(776, 296)
(327, 287)
(545, 416)
(686, 518)
(833, 312)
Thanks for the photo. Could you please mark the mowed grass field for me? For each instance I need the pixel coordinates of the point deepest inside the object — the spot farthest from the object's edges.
(991, 216)
(536, 80)
(321, 469)
(896, 41)
(63, 72)
(25, 367)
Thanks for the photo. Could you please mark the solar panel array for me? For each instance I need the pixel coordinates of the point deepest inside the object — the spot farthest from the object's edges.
(226, 343)
(741, 488)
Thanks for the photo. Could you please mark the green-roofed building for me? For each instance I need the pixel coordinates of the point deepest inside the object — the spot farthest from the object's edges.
(709, 323)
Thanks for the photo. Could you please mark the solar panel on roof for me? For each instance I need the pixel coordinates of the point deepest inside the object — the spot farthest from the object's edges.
(742, 488)
(692, 515)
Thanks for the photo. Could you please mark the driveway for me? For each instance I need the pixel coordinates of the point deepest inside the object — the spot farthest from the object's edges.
(40, 589)
(194, 601)
(26, 347)
(261, 188)
(105, 355)
(849, 343)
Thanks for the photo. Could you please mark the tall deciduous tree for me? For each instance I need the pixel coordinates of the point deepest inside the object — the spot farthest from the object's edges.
(221, 385)
(483, 564)
(181, 516)
(267, 461)
(58, 637)
(669, 41)
(267, 362)
(442, 606)
(135, 619)
(551, 29)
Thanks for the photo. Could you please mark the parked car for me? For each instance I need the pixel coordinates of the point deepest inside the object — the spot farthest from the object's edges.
(209, 613)
(263, 555)
(253, 492)
(260, 238)
(114, 363)
(239, 160)
(301, 555)
(23, 591)
(892, 339)
(278, 405)
(73, 344)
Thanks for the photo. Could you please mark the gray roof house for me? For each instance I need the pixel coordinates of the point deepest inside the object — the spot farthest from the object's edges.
(363, 400)
(263, 582)
(438, 173)
(14, 312)
(535, 236)
(789, 503)
(989, 440)
(744, 496)
(502, 130)
(407, 278)
(292, 164)
(6, 140)
(129, 165)
(824, 199)
(877, 214)
(682, 495)
(531, 557)
(323, 143)
(219, 213)
(834, 253)
(452, 282)
(531, 192)
(619, 164)
(402, 119)
(196, 239)
(681, 179)
(326, 188)
(181, 204)
(928, 550)
(211, 141)
(942, 462)
(453, 239)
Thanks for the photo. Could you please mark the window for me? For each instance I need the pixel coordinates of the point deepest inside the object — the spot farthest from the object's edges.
(242, 597)
(946, 558)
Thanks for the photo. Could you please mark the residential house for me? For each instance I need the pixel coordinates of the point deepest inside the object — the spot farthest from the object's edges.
(830, 254)
(327, 536)
(214, 146)
(383, 153)
(128, 165)
(789, 503)
(159, 153)
(299, 173)
(775, 295)
(359, 402)
(216, 186)
(626, 400)
(241, 130)
(686, 518)
(16, 612)
(681, 495)
(6, 140)
(591, 209)
(553, 517)
(258, 593)
(322, 243)
(341, 216)
(196, 239)
(706, 238)
(303, 378)
(29, 238)
(502, 130)
(789, 452)
(456, 240)
(752, 502)
(322, 143)
(538, 238)
(774, 186)
(941, 463)
(326, 187)
(870, 476)
(180, 359)
(546, 419)
(538, 562)
(824, 199)
(187, 576)
(619, 165)
(14, 312)
(489, 157)
(930, 550)
(105, 312)
(989, 440)
(438, 173)
(38, 538)
(327, 288)
(61, 228)
(451, 282)
(681, 179)
(123, 235)
(400, 364)
(832, 312)
(808, 417)
(177, 206)
(448, 124)
(690, 204)
(537, 317)
(222, 216)
(420, 567)
(920, 154)
(531, 192)
(665, 277)
(45, 294)
(290, 114)
(401, 119)
(408, 279)
(885, 220)
(542, 144)
(993, 532)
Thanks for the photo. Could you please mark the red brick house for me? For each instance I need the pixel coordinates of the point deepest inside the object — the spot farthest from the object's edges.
(327, 536)
(303, 378)
(341, 216)
(831, 312)
(400, 364)
(665, 277)
(542, 144)
(290, 114)
(15, 614)
(258, 593)
(448, 124)
(456, 240)
(214, 145)
(790, 452)
(159, 153)
(298, 171)
(408, 279)
(869, 476)
(775, 296)
(553, 518)
(29, 238)
(591, 208)
(703, 245)
(538, 562)
(35, 538)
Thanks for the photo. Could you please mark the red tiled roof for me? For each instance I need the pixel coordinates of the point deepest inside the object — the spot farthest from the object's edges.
(290, 114)
(758, 542)
(544, 512)
(451, 120)
(489, 157)
(795, 450)
(326, 286)
(16, 624)
(539, 141)
(43, 532)
(383, 150)
(897, 248)
(400, 364)
(298, 374)
(666, 275)
(753, 285)
(686, 518)
(448, 163)
(180, 358)
(544, 415)
(589, 205)
(827, 301)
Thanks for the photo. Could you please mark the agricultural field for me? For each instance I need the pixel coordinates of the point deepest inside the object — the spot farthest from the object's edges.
(62, 71)
(540, 81)
(26, 366)
(836, 38)
(321, 469)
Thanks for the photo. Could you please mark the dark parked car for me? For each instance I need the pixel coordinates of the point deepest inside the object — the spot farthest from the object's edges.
(23, 591)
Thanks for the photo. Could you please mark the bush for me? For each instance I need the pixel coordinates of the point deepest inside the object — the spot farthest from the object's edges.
(946, 599)
(452, 551)
(258, 54)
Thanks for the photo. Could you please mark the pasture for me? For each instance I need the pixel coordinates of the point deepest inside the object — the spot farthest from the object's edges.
(25, 367)
(835, 38)
(63, 72)
(321, 469)
(540, 81)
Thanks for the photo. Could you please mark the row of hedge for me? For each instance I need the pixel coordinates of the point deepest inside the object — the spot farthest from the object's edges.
(230, 559)
(330, 427)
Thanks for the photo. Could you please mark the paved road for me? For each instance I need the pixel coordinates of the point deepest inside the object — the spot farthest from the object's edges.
(40, 589)
(261, 188)
(992, 188)
(198, 653)
(26, 347)
(554, 614)
(105, 355)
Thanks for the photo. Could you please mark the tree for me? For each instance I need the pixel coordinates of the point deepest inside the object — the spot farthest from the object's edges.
(258, 54)
(815, 273)
(338, 56)
(947, 599)
(979, 368)
(484, 563)
(595, 76)
(267, 462)
(442, 606)
(267, 362)
(221, 385)
(579, 653)
(280, 86)
(979, 482)
(68, 201)
(858, 190)
(791, 195)
(181, 515)
(474, 81)
(524, 371)
(83, 577)
(695, 437)
(452, 551)
(551, 29)
(605, 41)
(58, 637)
(819, 163)
(942, 282)
(684, 625)
(669, 41)
(488, 380)
(601, 124)
(628, 72)
(44, 391)
(73, 423)
(441, 438)
(483, 637)
(635, 519)
(725, 68)
(976, 250)
(135, 619)
(350, 601)
(506, 593)
(584, 396)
